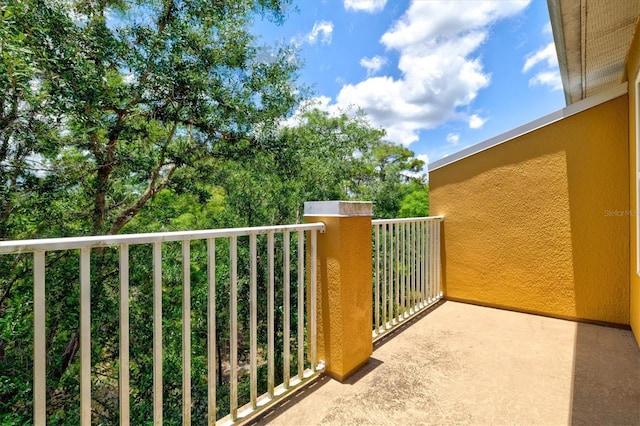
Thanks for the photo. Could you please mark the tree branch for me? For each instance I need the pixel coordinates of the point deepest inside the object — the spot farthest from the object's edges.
(152, 189)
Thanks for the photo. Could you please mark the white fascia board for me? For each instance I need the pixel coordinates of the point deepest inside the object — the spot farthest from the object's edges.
(568, 111)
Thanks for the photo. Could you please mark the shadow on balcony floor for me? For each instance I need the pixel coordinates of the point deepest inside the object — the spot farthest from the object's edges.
(473, 365)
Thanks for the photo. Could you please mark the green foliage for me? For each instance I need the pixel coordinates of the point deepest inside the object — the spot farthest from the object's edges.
(132, 93)
(389, 176)
(416, 202)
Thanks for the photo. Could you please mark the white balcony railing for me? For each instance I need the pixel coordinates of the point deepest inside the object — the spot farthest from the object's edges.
(406, 269)
(284, 237)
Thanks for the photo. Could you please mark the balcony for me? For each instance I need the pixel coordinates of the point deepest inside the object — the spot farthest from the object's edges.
(459, 363)
(340, 297)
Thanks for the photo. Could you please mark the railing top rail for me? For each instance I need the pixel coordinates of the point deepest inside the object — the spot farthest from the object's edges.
(70, 243)
(408, 219)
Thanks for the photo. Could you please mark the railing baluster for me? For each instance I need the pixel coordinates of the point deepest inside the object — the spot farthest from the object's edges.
(427, 268)
(211, 331)
(416, 272)
(157, 333)
(410, 269)
(423, 302)
(186, 332)
(286, 294)
(436, 268)
(301, 256)
(376, 292)
(85, 336)
(384, 276)
(398, 267)
(270, 315)
(405, 276)
(253, 303)
(418, 290)
(415, 300)
(233, 332)
(428, 262)
(313, 296)
(390, 296)
(39, 340)
(407, 260)
(432, 264)
(392, 274)
(407, 269)
(400, 271)
(124, 334)
(418, 260)
(438, 260)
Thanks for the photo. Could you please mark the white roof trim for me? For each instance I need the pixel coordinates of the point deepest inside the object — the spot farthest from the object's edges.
(568, 111)
(555, 17)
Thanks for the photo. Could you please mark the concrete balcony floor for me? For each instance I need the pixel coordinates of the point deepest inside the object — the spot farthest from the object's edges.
(465, 364)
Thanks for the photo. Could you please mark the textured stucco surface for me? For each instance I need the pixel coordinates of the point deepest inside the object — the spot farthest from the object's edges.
(465, 364)
(344, 293)
(538, 223)
(633, 66)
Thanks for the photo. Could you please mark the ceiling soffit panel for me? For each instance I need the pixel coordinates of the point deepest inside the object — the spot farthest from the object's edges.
(592, 39)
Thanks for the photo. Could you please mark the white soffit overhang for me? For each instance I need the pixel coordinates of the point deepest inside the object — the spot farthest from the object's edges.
(592, 38)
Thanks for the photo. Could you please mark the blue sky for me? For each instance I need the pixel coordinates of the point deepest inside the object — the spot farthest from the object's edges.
(437, 75)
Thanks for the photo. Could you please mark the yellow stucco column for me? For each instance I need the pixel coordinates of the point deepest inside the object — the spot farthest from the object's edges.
(344, 320)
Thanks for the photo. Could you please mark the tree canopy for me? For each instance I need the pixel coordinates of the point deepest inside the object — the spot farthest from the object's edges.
(109, 100)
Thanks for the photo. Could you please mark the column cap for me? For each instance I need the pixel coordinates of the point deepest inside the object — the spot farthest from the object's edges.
(338, 208)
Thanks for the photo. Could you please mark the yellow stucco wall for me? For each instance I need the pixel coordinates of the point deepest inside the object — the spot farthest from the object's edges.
(344, 325)
(540, 223)
(633, 65)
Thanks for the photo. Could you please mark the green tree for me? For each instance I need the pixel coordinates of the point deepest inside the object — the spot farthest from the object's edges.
(137, 91)
(26, 121)
(324, 157)
(389, 174)
(103, 105)
(416, 202)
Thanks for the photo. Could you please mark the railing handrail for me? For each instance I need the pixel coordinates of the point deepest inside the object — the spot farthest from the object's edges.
(407, 220)
(70, 243)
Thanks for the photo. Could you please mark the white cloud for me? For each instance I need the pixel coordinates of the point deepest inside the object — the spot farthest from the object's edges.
(424, 171)
(369, 6)
(423, 157)
(322, 103)
(545, 55)
(373, 65)
(475, 121)
(439, 69)
(322, 30)
(453, 138)
(547, 78)
(546, 60)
